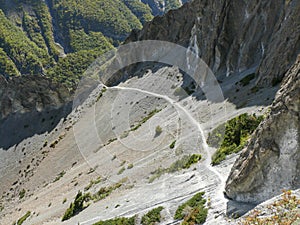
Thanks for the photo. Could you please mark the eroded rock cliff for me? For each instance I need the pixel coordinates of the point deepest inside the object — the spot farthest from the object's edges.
(271, 162)
(233, 36)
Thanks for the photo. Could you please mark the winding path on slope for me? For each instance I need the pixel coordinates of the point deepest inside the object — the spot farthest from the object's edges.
(206, 148)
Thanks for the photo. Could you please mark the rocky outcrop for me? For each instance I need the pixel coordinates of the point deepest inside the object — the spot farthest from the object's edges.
(30, 105)
(159, 7)
(271, 162)
(233, 36)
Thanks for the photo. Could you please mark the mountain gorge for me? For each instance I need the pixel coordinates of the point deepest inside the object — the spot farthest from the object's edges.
(138, 149)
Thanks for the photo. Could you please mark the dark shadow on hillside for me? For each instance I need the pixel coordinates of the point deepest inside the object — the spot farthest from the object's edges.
(19, 126)
(238, 88)
(236, 209)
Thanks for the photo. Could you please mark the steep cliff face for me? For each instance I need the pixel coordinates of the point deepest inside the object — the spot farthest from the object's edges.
(233, 36)
(271, 162)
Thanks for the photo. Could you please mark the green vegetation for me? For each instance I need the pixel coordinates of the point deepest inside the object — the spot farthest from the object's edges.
(22, 193)
(121, 170)
(92, 183)
(140, 10)
(112, 18)
(184, 163)
(69, 70)
(117, 221)
(236, 134)
(106, 191)
(158, 130)
(23, 218)
(172, 145)
(60, 175)
(145, 119)
(26, 55)
(172, 4)
(284, 211)
(246, 80)
(152, 216)
(130, 166)
(76, 206)
(82, 200)
(193, 211)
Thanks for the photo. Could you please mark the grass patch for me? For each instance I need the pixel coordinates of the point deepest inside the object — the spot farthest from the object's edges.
(60, 175)
(23, 218)
(83, 200)
(184, 163)
(121, 170)
(158, 130)
(117, 221)
(22, 193)
(193, 211)
(152, 216)
(92, 183)
(145, 119)
(106, 191)
(130, 166)
(232, 136)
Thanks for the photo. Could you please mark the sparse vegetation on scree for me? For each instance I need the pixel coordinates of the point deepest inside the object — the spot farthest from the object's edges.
(83, 200)
(193, 211)
(284, 211)
(232, 136)
(184, 163)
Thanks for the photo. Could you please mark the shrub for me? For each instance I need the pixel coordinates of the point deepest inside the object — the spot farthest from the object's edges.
(22, 193)
(193, 211)
(117, 221)
(130, 166)
(184, 163)
(76, 206)
(236, 133)
(60, 175)
(23, 218)
(158, 130)
(121, 170)
(152, 216)
(172, 145)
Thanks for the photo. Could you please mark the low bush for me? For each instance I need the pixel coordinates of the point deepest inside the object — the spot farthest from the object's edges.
(172, 145)
(77, 206)
(152, 216)
(193, 211)
(23, 218)
(117, 221)
(184, 163)
(232, 136)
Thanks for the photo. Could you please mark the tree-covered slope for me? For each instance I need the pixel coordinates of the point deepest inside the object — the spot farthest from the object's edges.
(60, 38)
